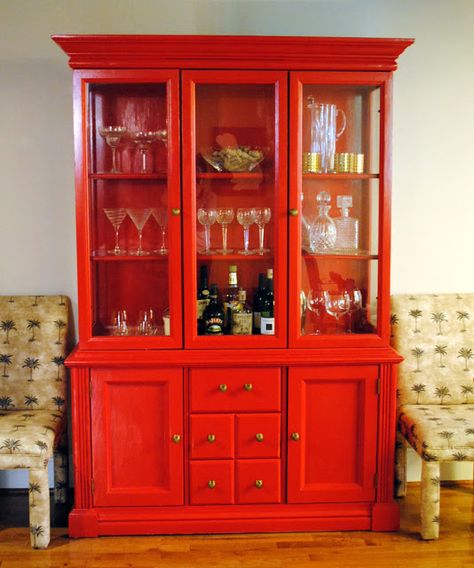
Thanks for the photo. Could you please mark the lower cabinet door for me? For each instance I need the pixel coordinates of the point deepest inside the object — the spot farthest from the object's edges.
(212, 482)
(137, 445)
(332, 433)
(258, 481)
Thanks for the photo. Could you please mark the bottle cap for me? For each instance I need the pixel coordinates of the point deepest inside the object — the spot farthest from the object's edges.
(344, 201)
(232, 268)
(323, 197)
(270, 273)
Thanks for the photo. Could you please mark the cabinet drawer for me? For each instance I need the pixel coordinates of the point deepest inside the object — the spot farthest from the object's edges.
(258, 435)
(212, 436)
(235, 390)
(258, 481)
(212, 482)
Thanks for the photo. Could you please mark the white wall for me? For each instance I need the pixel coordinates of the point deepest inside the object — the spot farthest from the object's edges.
(433, 173)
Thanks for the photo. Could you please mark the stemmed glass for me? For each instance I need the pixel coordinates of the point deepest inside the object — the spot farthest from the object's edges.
(207, 218)
(225, 216)
(113, 136)
(262, 217)
(315, 301)
(119, 322)
(116, 216)
(161, 217)
(356, 304)
(144, 140)
(337, 304)
(147, 324)
(139, 218)
(246, 217)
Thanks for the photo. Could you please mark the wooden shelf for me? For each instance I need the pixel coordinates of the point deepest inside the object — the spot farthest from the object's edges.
(127, 258)
(129, 176)
(229, 175)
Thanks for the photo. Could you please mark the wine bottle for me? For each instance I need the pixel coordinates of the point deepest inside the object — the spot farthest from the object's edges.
(267, 318)
(230, 298)
(257, 300)
(242, 315)
(213, 316)
(202, 298)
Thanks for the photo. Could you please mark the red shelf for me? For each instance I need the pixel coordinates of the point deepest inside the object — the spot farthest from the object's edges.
(341, 256)
(335, 177)
(234, 256)
(127, 258)
(228, 175)
(128, 176)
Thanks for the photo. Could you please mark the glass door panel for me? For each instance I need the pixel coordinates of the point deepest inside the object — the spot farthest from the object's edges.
(237, 200)
(133, 189)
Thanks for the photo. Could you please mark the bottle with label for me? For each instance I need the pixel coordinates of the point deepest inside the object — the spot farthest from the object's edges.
(347, 227)
(202, 297)
(257, 300)
(231, 297)
(213, 316)
(242, 315)
(267, 318)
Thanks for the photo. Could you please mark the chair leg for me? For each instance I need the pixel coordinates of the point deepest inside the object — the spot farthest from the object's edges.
(430, 500)
(400, 466)
(39, 508)
(60, 473)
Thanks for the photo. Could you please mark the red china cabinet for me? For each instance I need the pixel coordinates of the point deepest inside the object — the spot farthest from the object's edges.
(233, 371)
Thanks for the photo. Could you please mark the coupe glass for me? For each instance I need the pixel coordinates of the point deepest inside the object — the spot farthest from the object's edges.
(143, 140)
(315, 302)
(113, 136)
(116, 216)
(207, 218)
(225, 216)
(337, 303)
(356, 304)
(262, 217)
(246, 217)
(139, 218)
(161, 217)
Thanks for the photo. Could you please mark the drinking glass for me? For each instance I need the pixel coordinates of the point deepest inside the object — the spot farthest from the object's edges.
(116, 216)
(262, 217)
(119, 322)
(161, 217)
(143, 140)
(246, 217)
(356, 304)
(337, 303)
(139, 218)
(113, 136)
(147, 324)
(315, 301)
(207, 218)
(225, 216)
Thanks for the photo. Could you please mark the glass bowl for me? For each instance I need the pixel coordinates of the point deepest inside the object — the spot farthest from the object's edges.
(233, 158)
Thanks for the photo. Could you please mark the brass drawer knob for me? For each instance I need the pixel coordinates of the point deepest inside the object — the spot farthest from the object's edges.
(211, 484)
(211, 438)
(259, 483)
(259, 437)
(176, 438)
(223, 387)
(175, 211)
(295, 436)
(294, 212)
(248, 387)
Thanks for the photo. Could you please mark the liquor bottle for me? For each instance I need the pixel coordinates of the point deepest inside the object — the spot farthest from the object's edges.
(257, 300)
(347, 227)
(230, 298)
(242, 315)
(213, 316)
(202, 298)
(267, 318)
(323, 231)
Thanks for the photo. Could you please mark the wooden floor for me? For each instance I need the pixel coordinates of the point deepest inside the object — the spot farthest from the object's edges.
(343, 550)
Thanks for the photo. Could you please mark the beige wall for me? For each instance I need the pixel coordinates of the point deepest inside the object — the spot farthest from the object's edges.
(433, 173)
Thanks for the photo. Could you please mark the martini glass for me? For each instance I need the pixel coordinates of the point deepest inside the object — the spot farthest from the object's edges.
(161, 217)
(207, 218)
(262, 217)
(139, 218)
(246, 217)
(116, 216)
(113, 136)
(225, 216)
(143, 140)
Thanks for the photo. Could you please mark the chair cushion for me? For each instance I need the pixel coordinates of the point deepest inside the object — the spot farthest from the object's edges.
(439, 432)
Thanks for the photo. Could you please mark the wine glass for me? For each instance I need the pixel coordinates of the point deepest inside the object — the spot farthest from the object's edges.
(315, 301)
(337, 303)
(139, 218)
(161, 217)
(225, 216)
(119, 322)
(356, 304)
(116, 216)
(207, 218)
(113, 136)
(147, 324)
(262, 217)
(246, 217)
(143, 140)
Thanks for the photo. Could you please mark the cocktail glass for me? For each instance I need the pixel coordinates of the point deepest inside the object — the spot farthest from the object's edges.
(262, 217)
(113, 136)
(225, 216)
(143, 140)
(207, 218)
(246, 217)
(116, 216)
(139, 218)
(161, 217)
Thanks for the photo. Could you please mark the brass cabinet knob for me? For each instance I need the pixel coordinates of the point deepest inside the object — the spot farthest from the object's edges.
(211, 438)
(248, 387)
(223, 387)
(295, 436)
(259, 483)
(175, 211)
(259, 437)
(294, 212)
(176, 438)
(211, 484)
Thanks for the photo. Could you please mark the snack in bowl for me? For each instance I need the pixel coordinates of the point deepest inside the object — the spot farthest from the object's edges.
(233, 158)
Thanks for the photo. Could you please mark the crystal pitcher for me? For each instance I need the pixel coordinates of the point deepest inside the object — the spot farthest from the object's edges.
(324, 132)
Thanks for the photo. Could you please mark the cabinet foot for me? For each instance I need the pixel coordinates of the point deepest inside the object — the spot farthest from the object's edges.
(83, 523)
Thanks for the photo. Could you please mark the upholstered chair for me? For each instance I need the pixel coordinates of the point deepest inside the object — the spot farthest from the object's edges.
(33, 346)
(435, 334)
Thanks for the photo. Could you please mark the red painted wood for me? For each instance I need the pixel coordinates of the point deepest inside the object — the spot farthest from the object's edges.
(212, 482)
(252, 473)
(211, 436)
(258, 435)
(333, 410)
(135, 414)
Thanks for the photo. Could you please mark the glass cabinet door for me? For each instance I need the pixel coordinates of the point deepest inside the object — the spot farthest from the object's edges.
(235, 208)
(337, 199)
(131, 222)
